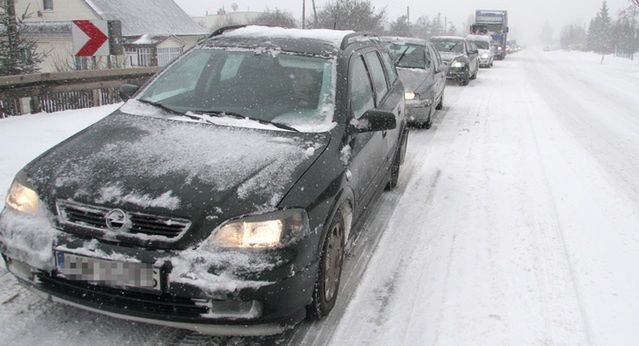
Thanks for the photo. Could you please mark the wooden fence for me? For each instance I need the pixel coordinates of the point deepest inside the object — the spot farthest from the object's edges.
(53, 92)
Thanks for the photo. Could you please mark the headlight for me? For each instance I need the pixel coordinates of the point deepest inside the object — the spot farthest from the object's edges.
(22, 198)
(485, 56)
(409, 95)
(457, 64)
(264, 231)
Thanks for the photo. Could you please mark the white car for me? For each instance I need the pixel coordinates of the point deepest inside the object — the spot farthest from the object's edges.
(486, 49)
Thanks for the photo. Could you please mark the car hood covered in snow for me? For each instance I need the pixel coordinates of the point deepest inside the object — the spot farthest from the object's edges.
(413, 78)
(189, 169)
(450, 56)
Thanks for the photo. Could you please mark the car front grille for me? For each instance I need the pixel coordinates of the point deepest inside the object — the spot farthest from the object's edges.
(95, 218)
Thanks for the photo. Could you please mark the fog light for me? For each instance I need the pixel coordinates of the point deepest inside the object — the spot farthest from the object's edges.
(221, 309)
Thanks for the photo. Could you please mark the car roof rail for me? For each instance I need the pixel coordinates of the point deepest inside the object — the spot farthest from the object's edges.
(350, 38)
(222, 30)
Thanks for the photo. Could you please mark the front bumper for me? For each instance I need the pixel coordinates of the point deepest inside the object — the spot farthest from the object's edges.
(265, 307)
(457, 73)
(417, 110)
(485, 62)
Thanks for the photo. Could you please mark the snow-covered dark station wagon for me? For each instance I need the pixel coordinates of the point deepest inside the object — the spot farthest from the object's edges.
(220, 197)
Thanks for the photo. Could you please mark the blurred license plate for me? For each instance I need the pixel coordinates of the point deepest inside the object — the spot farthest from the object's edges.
(108, 273)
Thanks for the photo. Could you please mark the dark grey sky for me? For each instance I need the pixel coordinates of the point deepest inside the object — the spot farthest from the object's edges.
(526, 17)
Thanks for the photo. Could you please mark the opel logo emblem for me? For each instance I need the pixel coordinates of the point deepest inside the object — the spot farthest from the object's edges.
(117, 220)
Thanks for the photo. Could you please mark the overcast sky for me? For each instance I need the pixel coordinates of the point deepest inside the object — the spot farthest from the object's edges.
(526, 18)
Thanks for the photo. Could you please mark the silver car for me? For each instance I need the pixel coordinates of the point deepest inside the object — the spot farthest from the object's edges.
(423, 74)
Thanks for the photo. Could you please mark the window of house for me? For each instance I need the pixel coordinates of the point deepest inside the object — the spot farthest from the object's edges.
(47, 5)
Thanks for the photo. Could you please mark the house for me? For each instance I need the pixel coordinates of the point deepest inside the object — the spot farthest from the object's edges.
(154, 31)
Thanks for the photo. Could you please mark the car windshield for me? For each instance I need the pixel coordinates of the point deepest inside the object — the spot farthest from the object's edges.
(407, 55)
(482, 44)
(272, 86)
(455, 46)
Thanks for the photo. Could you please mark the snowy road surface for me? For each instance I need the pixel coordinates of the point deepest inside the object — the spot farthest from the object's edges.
(516, 221)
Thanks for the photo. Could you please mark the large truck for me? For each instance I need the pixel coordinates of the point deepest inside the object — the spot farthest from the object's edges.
(495, 24)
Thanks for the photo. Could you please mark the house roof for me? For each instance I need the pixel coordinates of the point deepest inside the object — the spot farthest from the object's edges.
(151, 17)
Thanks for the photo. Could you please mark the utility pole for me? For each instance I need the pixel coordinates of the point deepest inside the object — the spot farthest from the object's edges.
(303, 14)
(315, 12)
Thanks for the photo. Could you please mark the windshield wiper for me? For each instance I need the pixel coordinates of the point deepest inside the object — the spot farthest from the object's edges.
(221, 114)
(401, 56)
(176, 112)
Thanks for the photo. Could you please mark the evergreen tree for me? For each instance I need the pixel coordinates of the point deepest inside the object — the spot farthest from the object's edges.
(18, 53)
(600, 32)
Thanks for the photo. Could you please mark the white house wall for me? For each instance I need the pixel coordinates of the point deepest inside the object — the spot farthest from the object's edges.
(63, 10)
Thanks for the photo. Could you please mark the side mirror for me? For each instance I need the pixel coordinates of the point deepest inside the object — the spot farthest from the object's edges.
(126, 91)
(375, 120)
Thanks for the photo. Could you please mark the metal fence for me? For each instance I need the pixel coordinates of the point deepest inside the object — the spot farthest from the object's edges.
(53, 92)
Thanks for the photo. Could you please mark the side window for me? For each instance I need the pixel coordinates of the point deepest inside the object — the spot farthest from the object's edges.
(429, 60)
(378, 76)
(47, 5)
(390, 68)
(361, 92)
(435, 58)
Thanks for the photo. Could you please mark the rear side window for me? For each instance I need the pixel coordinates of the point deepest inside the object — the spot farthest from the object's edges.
(377, 74)
(361, 92)
(429, 59)
(435, 57)
(390, 68)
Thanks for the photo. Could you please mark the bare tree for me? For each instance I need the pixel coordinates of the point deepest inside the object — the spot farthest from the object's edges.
(276, 18)
(358, 15)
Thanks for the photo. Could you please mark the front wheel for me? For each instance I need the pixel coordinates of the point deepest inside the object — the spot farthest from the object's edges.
(330, 269)
(466, 79)
(440, 105)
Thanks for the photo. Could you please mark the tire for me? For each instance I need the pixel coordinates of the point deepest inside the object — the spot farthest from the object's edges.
(330, 269)
(440, 105)
(429, 122)
(394, 171)
(474, 76)
(466, 79)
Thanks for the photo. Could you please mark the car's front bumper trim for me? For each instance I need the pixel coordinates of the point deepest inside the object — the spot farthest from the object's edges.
(207, 329)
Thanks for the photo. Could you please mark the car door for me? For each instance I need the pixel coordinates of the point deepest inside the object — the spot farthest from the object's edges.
(439, 73)
(473, 55)
(388, 97)
(367, 151)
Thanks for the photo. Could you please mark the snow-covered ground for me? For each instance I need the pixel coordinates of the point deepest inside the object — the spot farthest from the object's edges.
(516, 221)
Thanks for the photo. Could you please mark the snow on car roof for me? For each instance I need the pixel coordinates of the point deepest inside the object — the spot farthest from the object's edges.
(335, 37)
(479, 38)
(412, 40)
(447, 38)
